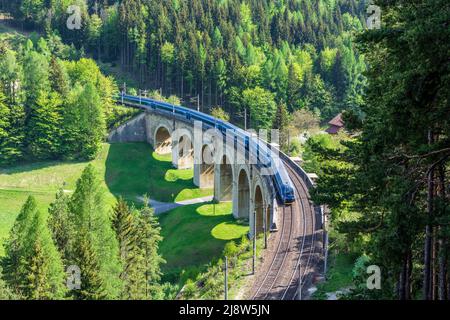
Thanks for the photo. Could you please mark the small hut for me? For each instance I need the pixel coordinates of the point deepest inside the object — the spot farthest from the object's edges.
(336, 125)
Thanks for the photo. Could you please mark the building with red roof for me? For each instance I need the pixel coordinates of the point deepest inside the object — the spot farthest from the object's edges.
(336, 125)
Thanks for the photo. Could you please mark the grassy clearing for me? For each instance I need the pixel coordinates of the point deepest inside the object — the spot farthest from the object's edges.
(339, 274)
(134, 171)
(194, 235)
(128, 170)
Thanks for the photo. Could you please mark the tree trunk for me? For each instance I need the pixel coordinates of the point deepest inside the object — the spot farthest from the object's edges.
(427, 292)
(443, 242)
(182, 83)
(408, 277)
(442, 270)
(434, 269)
(402, 281)
(202, 93)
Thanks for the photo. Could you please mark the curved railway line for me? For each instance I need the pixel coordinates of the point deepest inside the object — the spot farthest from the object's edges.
(292, 259)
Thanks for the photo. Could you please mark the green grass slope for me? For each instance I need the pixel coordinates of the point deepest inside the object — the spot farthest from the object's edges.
(135, 171)
(130, 170)
(196, 234)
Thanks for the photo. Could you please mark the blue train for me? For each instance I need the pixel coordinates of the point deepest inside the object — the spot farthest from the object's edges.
(264, 156)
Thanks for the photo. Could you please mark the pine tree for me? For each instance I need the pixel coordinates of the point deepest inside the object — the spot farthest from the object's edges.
(124, 225)
(92, 283)
(58, 77)
(45, 274)
(84, 123)
(15, 246)
(262, 107)
(33, 265)
(282, 123)
(36, 77)
(5, 291)
(88, 212)
(61, 225)
(44, 124)
(4, 127)
(149, 237)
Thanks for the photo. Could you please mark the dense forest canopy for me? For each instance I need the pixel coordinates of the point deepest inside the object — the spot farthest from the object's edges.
(51, 107)
(297, 52)
(388, 186)
(384, 180)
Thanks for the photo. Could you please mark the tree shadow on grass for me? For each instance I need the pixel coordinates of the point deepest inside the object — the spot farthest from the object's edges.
(24, 167)
(133, 170)
(192, 239)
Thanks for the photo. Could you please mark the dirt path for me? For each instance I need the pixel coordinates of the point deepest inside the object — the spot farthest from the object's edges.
(162, 207)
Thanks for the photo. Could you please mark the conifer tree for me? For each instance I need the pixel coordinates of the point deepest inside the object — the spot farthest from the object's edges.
(84, 123)
(149, 237)
(45, 122)
(125, 224)
(88, 212)
(58, 77)
(60, 224)
(15, 246)
(45, 274)
(4, 127)
(281, 122)
(92, 284)
(5, 291)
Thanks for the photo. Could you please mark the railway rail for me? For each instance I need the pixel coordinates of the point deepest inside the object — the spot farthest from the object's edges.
(293, 260)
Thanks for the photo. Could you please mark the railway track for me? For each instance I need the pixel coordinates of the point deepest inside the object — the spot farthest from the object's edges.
(293, 257)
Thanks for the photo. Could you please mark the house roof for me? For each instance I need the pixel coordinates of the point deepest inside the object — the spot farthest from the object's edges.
(337, 121)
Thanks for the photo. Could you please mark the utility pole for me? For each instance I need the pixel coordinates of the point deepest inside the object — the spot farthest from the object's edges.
(245, 119)
(289, 141)
(198, 102)
(254, 243)
(226, 278)
(299, 281)
(265, 225)
(326, 240)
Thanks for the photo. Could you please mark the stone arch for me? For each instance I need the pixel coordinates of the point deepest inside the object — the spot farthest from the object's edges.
(183, 151)
(258, 201)
(162, 140)
(243, 194)
(262, 204)
(207, 167)
(226, 176)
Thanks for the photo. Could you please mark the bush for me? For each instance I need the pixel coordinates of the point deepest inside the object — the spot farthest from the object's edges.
(295, 148)
(190, 288)
(231, 249)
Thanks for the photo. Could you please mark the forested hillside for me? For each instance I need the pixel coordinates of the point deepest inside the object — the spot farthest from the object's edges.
(388, 187)
(297, 53)
(51, 108)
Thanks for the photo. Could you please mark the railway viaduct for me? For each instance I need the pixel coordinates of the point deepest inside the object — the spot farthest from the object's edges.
(294, 255)
(216, 165)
